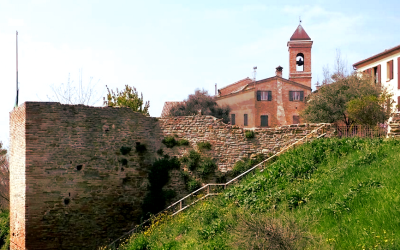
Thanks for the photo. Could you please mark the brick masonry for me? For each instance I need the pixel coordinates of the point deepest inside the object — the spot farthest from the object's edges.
(72, 188)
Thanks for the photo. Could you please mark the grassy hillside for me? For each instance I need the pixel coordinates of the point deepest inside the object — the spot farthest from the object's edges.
(327, 194)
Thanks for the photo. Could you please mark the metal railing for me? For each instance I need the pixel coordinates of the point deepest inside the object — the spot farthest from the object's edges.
(362, 131)
(212, 189)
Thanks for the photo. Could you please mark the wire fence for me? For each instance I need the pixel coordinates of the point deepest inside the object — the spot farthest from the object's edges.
(210, 190)
(363, 131)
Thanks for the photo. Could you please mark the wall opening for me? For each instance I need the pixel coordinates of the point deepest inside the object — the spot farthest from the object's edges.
(66, 201)
(79, 167)
(300, 62)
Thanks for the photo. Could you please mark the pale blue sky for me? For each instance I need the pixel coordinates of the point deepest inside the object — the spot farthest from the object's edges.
(167, 49)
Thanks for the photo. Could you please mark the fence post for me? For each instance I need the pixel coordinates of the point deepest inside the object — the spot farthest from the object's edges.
(180, 205)
(208, 189)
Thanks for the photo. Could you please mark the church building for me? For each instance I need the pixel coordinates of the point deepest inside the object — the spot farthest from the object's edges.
(273, 101)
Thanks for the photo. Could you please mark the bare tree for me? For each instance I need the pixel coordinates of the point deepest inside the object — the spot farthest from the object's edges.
(341, 65)
(69, 93)
(340, 69)
(4, 179)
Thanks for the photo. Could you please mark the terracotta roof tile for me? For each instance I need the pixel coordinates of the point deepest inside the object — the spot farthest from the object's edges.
(234, 86)
(300, 34)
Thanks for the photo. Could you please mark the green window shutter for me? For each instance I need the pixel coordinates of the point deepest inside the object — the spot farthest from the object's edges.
(301, 95)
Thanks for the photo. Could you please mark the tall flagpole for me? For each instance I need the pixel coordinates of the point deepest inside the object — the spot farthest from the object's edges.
(16, 99)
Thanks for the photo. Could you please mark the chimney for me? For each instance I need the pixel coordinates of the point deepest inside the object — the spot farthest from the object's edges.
(278, 71)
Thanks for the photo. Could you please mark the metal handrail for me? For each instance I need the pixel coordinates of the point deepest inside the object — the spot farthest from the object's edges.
(180, 202)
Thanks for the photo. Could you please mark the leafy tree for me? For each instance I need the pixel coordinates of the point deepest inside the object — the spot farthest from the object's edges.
(127, 98)
(330, 103)
(370, 110)
(203, 102)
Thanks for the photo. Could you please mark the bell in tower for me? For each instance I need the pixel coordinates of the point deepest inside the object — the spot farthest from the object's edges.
(300, 62)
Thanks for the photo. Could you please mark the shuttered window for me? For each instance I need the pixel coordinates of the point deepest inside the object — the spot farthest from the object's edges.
(233, 122)
(389, 70)
(378, 75)
(264, 95)
(245, 120)
(264, 121)
(296, 95)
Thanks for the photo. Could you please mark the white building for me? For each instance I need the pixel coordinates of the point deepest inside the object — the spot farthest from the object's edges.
(385, 67)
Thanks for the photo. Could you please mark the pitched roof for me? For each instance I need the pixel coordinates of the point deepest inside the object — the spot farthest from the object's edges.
(167, 107)
(234, 87)
(386, 52)
(300, 34)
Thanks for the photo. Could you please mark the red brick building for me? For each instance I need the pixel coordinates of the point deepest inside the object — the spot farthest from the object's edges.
(273, 101)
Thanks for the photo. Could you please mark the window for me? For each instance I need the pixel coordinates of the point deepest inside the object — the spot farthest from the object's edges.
(264, 95)
(300, 62)
(245, 120)
(296, 119)
(296, 95)
(264, 121)
(233, 119)
(389, 70)
(376, 73)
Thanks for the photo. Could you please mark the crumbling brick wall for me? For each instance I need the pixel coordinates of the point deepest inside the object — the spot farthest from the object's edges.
(72, 187)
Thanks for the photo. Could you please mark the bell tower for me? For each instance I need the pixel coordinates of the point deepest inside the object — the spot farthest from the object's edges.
(299, 48)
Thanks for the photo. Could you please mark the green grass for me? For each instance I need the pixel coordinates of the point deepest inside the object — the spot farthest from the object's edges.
(4, 229)
(327, 194)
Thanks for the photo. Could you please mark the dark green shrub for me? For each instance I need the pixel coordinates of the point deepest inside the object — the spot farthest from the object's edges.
(185, 176)
(125, 150)
(169, 141)
(158, 177)
(204, 145)
(140, 148)
(4, 229)
(184, 159)
(193, 185)
(249, 134)
(183, 142)
(207, 166)
(169, 194)
(160, 151)
(245, 164)
(194, 159)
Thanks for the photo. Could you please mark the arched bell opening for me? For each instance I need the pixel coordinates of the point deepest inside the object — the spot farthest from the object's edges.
(300, 62)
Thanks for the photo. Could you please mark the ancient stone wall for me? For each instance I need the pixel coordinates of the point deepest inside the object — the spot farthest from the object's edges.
(76, 185)
(394, 126)
(229, 143)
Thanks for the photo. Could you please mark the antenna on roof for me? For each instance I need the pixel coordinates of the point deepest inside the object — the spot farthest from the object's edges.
(215, 89)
